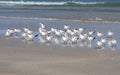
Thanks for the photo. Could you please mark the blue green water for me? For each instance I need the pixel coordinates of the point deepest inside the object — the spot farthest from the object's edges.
(67, 0)
(84, 10)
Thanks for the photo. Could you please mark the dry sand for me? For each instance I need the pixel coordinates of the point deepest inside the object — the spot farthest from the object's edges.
(21, 58)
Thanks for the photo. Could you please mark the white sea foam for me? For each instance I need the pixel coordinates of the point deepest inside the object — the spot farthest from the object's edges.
(31, 3)
(45, 3)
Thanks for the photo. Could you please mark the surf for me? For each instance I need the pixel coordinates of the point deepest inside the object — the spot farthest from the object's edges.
(68, 3)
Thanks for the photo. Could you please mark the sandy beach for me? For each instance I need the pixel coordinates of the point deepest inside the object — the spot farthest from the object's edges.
(21, 58)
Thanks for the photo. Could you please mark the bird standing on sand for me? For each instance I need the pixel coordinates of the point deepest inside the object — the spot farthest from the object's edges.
(65, 40)
(90, 39)
(90, 33)
(17, 32)
(82, 39)
(109, 34)
(9, 32)
(74, 40)
(99, 35)
(103, 41)
(42, 25)
(26, 29)
(81, 30)
(99, 45)
(112, 43)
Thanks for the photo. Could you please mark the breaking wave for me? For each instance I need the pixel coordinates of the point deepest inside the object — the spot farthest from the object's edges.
(71, 3)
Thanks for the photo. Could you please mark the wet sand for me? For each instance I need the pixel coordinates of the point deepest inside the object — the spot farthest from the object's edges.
(19, 57)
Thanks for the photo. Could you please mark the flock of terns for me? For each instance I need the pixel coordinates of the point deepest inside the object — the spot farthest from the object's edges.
(67, 36)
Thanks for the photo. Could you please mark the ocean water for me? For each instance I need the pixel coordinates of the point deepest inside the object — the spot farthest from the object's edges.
(83, 10)
(66, 0)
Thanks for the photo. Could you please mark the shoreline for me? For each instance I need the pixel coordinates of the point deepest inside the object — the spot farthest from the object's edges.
(63, 19)
(34, 25)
